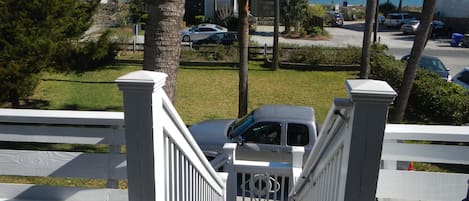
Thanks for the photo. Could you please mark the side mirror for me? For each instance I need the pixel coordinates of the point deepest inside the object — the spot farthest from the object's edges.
(240, 141)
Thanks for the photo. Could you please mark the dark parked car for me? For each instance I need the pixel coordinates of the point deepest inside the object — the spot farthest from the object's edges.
(223, 38)
(432, 64)
(462, 78)
(335, 19)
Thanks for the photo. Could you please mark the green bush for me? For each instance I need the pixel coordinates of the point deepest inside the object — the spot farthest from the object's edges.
(323, 55)
(199, 19)
(432, 99)
(211, 53)
(86, 56)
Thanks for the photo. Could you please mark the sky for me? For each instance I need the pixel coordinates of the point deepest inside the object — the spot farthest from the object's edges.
(363, 2)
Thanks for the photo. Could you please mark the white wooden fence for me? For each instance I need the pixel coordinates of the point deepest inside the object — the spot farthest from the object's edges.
(162, 160)
(344, 163)
(420, 185)
(63, 127)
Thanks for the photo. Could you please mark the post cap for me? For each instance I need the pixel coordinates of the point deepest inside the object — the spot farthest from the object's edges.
(141, 80)
(370, 91)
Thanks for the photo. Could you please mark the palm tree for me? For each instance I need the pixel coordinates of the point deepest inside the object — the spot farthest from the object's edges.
(163, 41)
(243, 8)
(365, 59)
(411, 68)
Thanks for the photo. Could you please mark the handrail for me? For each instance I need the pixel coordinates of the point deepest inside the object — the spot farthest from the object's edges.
(328, 132)
(172, 113)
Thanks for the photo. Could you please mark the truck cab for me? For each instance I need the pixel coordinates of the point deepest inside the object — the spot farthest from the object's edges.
(266, 134)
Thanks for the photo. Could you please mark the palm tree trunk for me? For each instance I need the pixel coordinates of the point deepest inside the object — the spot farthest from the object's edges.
(365, 59)
(243, 57)
(411, 68)
(163, 40)
(276, 52)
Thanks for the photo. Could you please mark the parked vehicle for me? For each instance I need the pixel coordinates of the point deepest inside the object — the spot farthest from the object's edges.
(462, 78)
(398, 19)
(432, 64)
(334, 19)
(381, 19)
(410, 27)
(224, 38)
(201, 31)
(267, 133)
(437, 28)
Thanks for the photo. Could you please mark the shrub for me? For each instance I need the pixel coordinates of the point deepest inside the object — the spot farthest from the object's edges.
(199, 19)
(432, 99)
(323, 55)
(86, 56)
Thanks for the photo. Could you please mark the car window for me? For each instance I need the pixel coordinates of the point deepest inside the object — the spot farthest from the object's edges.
(205, 29)
(464, 77)
(264, 133)
(219, 27)
(297, 135)
(432, 64)
(230, 36)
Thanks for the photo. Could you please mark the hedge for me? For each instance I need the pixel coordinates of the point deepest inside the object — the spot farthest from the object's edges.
(432, 100)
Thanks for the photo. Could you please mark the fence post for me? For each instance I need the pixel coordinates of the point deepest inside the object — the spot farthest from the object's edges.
(144, 134)
(370, 99)
(297, 162)
(231, 187)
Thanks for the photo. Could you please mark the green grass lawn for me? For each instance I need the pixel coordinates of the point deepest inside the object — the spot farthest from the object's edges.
(202, 92)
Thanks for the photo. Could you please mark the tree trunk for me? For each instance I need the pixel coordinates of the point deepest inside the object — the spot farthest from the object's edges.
(275, 55)
(365, 59)
(243, 57)
(399, 7)
(163, 40)
(411, 68)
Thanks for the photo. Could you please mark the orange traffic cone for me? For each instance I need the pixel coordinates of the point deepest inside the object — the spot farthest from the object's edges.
(411, 166)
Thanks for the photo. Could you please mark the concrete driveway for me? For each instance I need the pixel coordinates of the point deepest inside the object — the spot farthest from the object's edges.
(399, 45)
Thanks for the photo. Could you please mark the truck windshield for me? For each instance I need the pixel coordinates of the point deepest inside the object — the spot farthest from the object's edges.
(239, 125)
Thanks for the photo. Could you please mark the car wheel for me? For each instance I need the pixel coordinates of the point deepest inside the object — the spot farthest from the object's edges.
(186, 38)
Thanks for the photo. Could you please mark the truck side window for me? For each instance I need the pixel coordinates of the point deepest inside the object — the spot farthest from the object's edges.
(264, 133)
(297, 135)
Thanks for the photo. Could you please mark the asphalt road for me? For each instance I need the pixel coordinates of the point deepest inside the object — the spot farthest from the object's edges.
(455, 58)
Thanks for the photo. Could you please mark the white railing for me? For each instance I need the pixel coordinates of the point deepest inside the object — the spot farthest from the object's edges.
(164, 161)
(22, 129)
(344, 163)
(412, 143)
(260, 180)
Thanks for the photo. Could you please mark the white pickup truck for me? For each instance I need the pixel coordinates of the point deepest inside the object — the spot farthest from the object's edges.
(266, 134)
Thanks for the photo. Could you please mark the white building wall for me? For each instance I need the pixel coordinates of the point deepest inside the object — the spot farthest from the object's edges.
(453, 8)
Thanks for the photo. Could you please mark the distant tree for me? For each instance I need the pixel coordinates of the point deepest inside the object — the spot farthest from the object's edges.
(193, 8)
(293, 13)
(31, 31)
(137, 11)
(386, 8)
